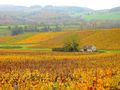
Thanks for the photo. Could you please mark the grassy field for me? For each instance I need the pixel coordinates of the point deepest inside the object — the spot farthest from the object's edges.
(102, 16)
(27, 47)
(22, 47)
(98, 15)
(4, 32)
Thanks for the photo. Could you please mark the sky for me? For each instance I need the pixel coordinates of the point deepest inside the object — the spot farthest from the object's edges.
(93, 4)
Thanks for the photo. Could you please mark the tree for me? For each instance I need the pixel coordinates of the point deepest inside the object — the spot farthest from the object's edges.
(58, 28)
(17, 30)
(9, 27)
(71, 44)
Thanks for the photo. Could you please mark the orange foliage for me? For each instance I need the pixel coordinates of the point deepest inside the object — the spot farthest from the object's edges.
(102, 39)
(31, 70)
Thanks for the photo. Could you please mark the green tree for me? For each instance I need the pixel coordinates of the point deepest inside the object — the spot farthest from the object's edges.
(9, 27)
(71, 44)
(58, 28)
(17, 30)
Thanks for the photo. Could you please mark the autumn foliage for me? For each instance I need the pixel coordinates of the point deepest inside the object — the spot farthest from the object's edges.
(101, 38)
(32, 70)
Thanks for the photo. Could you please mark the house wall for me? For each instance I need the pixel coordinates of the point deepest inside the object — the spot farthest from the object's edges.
(93, 48)
(90, 49)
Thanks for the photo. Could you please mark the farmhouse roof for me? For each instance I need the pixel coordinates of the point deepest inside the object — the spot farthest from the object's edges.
(88, 46)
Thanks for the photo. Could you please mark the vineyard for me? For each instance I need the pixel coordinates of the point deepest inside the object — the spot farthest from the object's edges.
(59, 45)
(102, 38)
(35, 70)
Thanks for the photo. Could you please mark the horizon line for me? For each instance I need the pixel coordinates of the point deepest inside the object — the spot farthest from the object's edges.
(55, 6)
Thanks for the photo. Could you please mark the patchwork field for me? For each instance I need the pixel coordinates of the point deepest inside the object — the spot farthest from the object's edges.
(107, 39)
(27, 62)
(47, 47)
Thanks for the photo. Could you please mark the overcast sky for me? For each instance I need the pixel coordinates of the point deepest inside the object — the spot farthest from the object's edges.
(93, 4)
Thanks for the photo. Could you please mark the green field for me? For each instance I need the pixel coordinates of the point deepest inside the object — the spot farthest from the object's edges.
(25, 47)
(102, 16)
(4, 30)
(98, 15)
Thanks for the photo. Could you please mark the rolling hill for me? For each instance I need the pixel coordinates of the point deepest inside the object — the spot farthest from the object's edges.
(11, 14)
(103, 39)
(116, 9)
